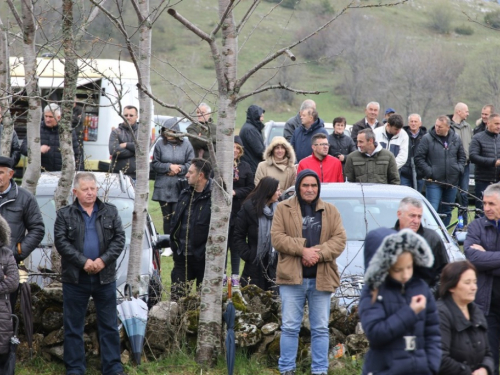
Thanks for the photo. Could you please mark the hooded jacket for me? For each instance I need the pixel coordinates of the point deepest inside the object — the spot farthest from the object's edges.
(400, 340)
(437, 162)
(301, 139)
(287, 239)
(484, 152)
(123, 159)
(251, 137)
(458, 335)
(485, 233)
(464, 131)
(397, 145)
(284, 171)
(9, 281)
(380, 167)
(409, 168)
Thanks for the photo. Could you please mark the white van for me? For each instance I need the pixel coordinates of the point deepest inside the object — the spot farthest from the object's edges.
(104, 87)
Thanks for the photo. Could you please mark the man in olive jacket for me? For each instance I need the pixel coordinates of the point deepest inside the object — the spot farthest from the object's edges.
(89, 236)
(371, 162)
(308, 235)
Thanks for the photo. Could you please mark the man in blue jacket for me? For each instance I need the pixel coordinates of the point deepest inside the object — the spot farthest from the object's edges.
(482, 249)
(302, 136)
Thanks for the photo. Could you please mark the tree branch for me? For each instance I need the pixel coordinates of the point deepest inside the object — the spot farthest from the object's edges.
(479, 23)
(221, 21)
(15, 13)
(247, 16)
(278, 86)
(191, 26)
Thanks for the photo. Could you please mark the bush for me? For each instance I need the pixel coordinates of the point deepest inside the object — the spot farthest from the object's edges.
(464, 30)
(493, 19)
(290, 4)
(440, 20)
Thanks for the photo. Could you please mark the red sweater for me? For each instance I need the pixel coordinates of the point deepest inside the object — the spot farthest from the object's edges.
(329, 169)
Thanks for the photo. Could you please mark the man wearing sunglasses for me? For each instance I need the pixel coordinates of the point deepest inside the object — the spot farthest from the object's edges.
(122, 145)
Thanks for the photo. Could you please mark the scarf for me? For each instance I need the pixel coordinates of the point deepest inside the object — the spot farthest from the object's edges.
(264, 239)
(281, 164)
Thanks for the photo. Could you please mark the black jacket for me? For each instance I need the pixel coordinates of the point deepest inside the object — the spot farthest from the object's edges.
(361, 125)
(479, 128)
(69, 235)
(123, 159)
(439, 163)
(341, 144)
(290, 126)
(20, 209)
(195, 233)
(52, 159)
(464, 342)
(484, 151)
(242, 187)
(407, 169)
(251, 137)
(245, 242)
(431, 275)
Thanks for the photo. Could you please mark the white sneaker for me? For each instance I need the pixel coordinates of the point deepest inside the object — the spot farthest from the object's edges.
(167, 252)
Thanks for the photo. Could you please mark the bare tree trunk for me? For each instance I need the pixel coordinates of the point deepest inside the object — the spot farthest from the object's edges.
(142, 147)
(8, 127)
(65, 132)
(27, 24)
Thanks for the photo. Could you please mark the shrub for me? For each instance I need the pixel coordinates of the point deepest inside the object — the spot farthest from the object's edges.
(464, 30)
(493, 19)
(440, 20)
(290, 4)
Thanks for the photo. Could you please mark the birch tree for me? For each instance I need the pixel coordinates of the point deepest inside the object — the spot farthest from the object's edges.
(8, 126)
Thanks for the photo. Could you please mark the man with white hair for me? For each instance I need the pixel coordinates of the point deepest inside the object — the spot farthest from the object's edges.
(204, 117)
(49, 141)
(410, 176)
(369, 122)
(295, 121)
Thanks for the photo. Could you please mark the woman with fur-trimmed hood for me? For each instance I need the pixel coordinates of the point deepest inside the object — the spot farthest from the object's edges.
(9, 281)
(279, 163)
(398, 311)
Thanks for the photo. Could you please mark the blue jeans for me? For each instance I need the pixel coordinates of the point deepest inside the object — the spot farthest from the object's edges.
(293, 299)
(463, 184)
(409, 182)
(75, 302)
(436, 194)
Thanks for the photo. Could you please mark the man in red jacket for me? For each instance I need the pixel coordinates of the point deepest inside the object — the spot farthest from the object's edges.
(327, 167)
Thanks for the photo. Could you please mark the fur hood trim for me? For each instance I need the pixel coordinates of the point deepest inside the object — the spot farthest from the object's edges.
(288, 147)
(391, 248)
(4, 232)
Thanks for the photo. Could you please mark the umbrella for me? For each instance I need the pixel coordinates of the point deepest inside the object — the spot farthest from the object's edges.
(26, 309)
(228, 317)
(10, 365)
(133, 312)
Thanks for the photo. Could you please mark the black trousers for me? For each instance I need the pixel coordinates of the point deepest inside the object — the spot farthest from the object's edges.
(167, 210)
(186, 269)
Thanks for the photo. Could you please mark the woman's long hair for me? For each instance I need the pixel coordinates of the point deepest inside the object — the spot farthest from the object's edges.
(263, 192)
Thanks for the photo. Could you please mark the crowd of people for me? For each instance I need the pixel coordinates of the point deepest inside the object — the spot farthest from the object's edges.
(289, 246)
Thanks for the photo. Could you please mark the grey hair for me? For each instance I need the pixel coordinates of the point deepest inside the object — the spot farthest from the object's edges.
(415, 114)
(83, 176)
(369, 134)
(209, 110)
(307, 104)
(409, 201)
(375, 103)
(52, 108)
(444, 118)
(492, 189)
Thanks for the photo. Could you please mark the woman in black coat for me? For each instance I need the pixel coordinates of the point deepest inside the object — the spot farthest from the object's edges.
(252, 234)
(243, 184)
(464, 337)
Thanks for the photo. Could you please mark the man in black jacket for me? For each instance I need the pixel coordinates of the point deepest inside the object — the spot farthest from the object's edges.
(410, 176)
(122, 143)
(15, 149)
(486, 111)
(410, 216)
(441, 158)
(341, 145)
(49, 141)
(484, 152)
(189, 228)
(370, 120)
(90, 238)
(251, 137)
(20, 208)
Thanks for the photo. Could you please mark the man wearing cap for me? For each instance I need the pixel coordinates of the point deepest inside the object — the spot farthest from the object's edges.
(308, 235)
(388, 113)
(20, 209)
